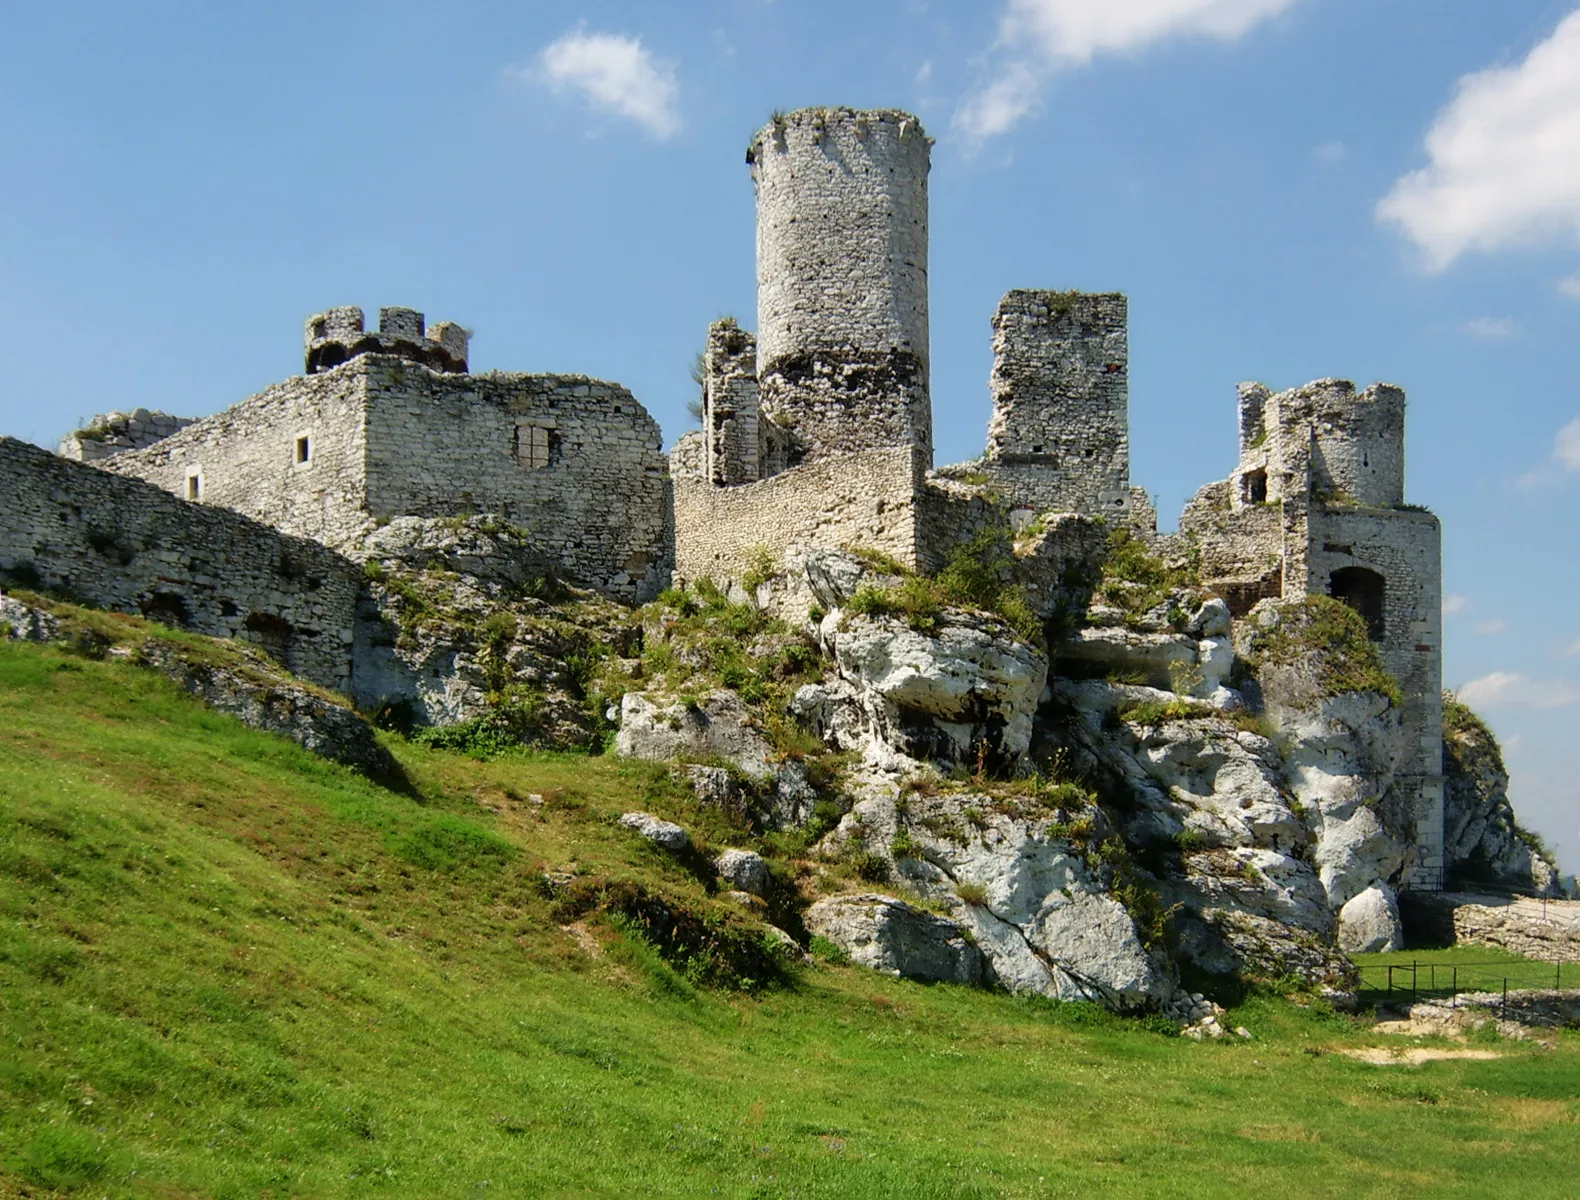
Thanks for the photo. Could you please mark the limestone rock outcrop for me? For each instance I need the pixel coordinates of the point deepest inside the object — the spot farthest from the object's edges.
(664, 834)
(744, 870)
(1483, 843)
(1369, 922)
(1011, 874)
(942, 694)
(889, 935)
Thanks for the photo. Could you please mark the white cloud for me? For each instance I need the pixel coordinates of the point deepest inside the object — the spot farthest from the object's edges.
(924, 73)
(1566, 446)
(1492, 329)
(615, 74)
(1487, 628)
(1570, 285)
(1573, 647)
(1039, 37)
(1505, 159)
(1330, 152)
(1455, 604)
(1505, 689)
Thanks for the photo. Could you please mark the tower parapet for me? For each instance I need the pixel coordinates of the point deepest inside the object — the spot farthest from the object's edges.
(337, 335)
(842, 279)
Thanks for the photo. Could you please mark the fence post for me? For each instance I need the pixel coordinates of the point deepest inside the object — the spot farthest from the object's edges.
(1505, 997)
(1390, 979)
(1453, 1000)
(1558, 975)
(1414, 966)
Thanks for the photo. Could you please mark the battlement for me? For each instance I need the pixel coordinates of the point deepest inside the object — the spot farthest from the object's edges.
(338, 335)
(1325, 438)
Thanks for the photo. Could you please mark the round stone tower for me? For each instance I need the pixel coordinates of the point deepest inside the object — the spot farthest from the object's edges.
(1358, 451)
(842, 279)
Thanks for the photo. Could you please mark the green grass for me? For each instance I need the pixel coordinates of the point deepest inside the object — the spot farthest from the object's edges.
(228, 969)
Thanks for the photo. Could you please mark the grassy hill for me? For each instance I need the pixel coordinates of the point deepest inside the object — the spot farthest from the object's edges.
(230, 969)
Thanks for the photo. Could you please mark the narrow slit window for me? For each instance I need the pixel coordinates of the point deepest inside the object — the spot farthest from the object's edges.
(304, 450)
(194, 487)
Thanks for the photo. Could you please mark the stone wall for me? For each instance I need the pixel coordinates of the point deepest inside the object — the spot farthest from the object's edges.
(865, 499)
(123, 544)
(251, 457)
(1059, 437)
(1404, 548)
(842, 279)
(574, 461)
(1327, 439)
(115, 433)
(733, 444)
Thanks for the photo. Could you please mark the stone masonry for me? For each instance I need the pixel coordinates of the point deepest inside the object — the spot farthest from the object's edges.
(117, 432)
(122, 544)
(842, 279)
(837, 376)
(1059, 437)
(574, 462)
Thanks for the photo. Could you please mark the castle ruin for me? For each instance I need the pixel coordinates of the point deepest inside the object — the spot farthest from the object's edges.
(817, 431)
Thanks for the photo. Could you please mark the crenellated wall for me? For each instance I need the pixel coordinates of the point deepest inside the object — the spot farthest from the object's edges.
(574, 461)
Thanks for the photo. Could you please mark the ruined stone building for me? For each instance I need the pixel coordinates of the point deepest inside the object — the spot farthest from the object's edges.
(389, 423)
(818, 430)
(1316, 507)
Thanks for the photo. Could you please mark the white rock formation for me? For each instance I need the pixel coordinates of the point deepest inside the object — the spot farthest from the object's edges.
(1369, 922)
(664, 834)
(743, 870)
(890, 935)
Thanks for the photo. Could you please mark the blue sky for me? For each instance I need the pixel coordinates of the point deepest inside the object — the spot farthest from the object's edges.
(1286, 189)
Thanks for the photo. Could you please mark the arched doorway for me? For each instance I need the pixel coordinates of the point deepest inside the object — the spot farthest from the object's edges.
(1366, 592)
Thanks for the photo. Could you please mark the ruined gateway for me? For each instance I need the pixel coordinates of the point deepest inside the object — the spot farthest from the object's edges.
(1289, 815)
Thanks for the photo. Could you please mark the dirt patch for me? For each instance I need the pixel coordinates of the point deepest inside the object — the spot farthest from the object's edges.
(1401, 1056)
(584, 938)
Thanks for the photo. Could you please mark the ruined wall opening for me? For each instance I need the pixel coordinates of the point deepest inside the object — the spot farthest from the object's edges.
(1366, 592)
(1255, 487)
(194, 487)
(304, 450)
(167, 608)
(271, 634)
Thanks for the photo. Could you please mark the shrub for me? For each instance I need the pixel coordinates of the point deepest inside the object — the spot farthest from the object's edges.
(905, 846)
(760, 568)
(826, 951)
(873, 868)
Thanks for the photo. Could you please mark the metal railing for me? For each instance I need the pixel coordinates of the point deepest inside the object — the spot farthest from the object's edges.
(1437, 981)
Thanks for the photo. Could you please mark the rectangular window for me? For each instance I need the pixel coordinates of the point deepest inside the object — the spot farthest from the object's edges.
(533, 446)
(195, 486)
(304, 450)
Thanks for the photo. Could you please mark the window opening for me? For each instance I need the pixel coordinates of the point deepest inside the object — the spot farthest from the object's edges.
(304, 450)
(1256, 487)
(534, 446)
(194, 487)
(1366, 592)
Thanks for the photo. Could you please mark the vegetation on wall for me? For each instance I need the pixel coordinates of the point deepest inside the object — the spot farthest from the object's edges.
(978, 574)
(1335, 636)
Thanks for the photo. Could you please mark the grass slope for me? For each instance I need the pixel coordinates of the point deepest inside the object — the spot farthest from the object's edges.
(228, 969)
